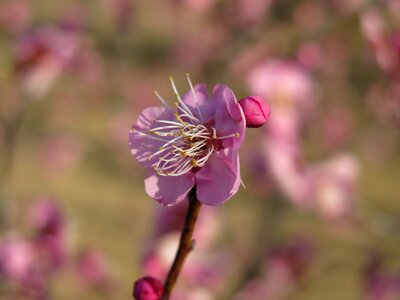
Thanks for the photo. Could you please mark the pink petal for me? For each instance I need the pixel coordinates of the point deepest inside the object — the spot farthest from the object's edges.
(219, 179)
(200, 103)
(169, 190)
(143, 146)
(229, 117)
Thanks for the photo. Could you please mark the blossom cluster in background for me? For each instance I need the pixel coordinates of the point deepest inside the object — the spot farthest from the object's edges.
(319, 215)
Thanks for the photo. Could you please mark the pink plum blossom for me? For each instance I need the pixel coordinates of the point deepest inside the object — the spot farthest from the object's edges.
(195, 145)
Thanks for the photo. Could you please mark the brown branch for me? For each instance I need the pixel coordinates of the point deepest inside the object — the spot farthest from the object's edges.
(186, 243)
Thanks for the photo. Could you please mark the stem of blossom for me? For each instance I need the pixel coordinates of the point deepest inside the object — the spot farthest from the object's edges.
(12, 128)
(186, 243)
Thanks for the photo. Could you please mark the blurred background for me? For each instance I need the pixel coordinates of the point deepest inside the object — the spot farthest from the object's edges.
(320, 215)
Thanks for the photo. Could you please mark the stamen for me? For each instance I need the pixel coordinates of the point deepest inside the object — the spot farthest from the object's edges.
(194, 96)
(162, 100)
(165, 127)
(242, 183)
(236, 134)
(185, 114)
(171, 141)
(178, 117)
(155, 138)
(168, 122)
(178, 97)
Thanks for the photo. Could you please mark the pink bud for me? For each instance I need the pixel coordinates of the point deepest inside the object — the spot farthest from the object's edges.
(256, 111)
(147, 288)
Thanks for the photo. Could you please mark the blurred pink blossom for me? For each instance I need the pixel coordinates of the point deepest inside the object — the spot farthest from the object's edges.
(17, 259)
(284, 163)
(60, 154)
(336, 127)
(291, 92)
(171, 219)
(380, 284)
(120, 12)
(333, 186)
(196, 49)
(327, 187)
(204, 267)
(383, 100)
(15, 15)
(292, 96)
(348, 7)
(199, 6)
(50, 239)
(309, 15)
(280, 273)
(93, 270)
(20, 270)
(310, 55)
(42, 55)
(251, 12)
(393, 6)
(384, 42)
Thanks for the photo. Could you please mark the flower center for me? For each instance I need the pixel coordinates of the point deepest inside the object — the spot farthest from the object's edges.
(187, 142)
(190, 146)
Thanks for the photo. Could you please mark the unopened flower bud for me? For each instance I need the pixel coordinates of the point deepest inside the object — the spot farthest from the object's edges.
(256, 111)
(147, 288)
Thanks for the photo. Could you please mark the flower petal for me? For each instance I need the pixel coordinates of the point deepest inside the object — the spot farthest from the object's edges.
(229, 117)
(219, 179)
(169, 190)
(200, 106)
(142, 144)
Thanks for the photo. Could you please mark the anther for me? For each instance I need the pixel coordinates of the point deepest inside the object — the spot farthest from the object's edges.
(194, 163)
